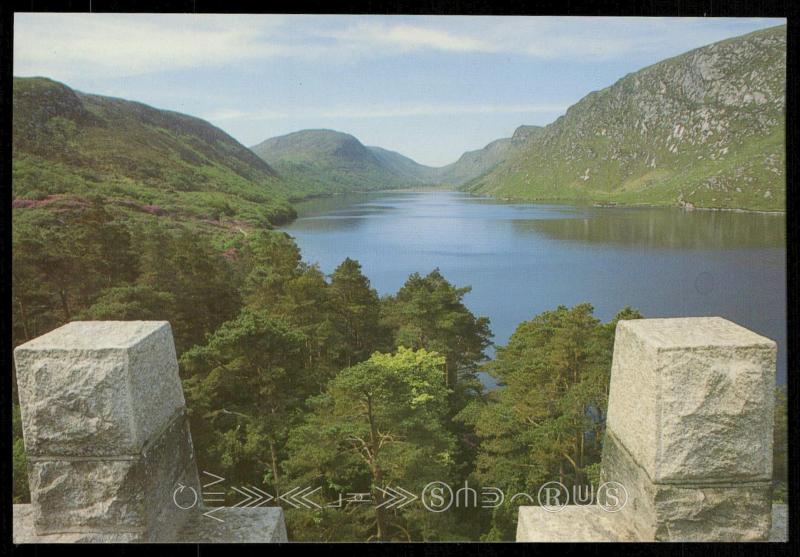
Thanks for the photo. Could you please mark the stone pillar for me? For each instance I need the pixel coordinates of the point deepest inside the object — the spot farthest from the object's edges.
(105, 430)
(689, 430)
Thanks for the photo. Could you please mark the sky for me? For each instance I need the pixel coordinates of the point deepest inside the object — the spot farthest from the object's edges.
(429, 87)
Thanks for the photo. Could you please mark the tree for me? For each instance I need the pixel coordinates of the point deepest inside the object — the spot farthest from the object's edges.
(429, 312)
(355, 312)
(270, 260)
(202, 284)
(61, 263)
(131, 303)
(379, 424)
(244, 388)
(547, 422)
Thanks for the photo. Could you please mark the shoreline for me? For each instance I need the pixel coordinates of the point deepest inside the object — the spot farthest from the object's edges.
(517, 200)
(605, 205)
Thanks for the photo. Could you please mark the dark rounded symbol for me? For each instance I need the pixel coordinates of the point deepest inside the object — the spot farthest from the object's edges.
(704, 283)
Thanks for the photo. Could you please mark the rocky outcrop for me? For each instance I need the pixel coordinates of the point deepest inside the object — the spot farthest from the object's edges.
(705, 128)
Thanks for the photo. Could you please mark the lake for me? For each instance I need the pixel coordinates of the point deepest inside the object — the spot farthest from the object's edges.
(522, 259)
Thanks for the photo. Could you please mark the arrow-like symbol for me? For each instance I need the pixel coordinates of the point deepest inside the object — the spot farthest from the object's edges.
(210, 514)
(298, 497)
(254, 497)
(218, 479)
(398, 497)
(247, 498)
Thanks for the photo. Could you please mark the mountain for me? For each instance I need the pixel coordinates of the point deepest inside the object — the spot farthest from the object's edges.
(703, 129)
(406, 167)
(332, 162)
(70, 147)
(473, 164)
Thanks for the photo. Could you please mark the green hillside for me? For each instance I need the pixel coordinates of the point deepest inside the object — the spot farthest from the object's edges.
(328, 161)
(70, 148)
(333, 162)
(405, 167)
(474, 164)
(705, 128)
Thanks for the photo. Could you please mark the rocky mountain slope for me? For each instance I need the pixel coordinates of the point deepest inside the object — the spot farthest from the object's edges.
(69, 147)
(705, 129)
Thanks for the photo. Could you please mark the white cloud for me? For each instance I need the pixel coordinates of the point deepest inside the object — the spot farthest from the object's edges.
(65, 46)
(409, 37)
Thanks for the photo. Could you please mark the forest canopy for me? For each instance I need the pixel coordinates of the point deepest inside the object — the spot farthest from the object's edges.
(294, 378)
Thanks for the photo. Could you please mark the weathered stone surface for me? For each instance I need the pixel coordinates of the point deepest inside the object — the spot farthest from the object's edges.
(733, 511)
(108, 443)
(780, 523)
(256, 525)
(122, 495)
(260, 525)
(24, 532)
(98, 388)
(590, 524)
(575, 523)
(691, 399)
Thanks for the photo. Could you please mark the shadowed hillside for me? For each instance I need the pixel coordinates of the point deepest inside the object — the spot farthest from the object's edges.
(68, 146)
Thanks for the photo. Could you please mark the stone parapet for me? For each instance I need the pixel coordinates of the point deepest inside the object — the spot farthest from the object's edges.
(108, 443)
(689, 435)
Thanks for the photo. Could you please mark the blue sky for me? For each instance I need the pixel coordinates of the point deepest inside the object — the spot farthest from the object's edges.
(428, 87)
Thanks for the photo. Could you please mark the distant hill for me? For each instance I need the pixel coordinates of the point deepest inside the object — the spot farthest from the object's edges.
(69, 146)
(334, 162)
(705, 128)
(406, 167)
(473, 164)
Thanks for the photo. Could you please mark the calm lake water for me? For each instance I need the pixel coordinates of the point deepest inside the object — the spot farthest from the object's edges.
(522, 259)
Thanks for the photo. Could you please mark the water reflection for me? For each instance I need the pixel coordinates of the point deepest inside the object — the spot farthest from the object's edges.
(665, 228)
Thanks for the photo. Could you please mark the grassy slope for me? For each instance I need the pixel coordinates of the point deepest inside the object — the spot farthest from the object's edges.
(331, 162)
(730, 153)
(69, 146)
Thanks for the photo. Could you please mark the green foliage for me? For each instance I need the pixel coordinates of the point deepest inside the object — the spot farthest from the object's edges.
(19, 470)
(379, 423)
(355, 307)
(429, 312)
(546, 423)
(245, 386)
